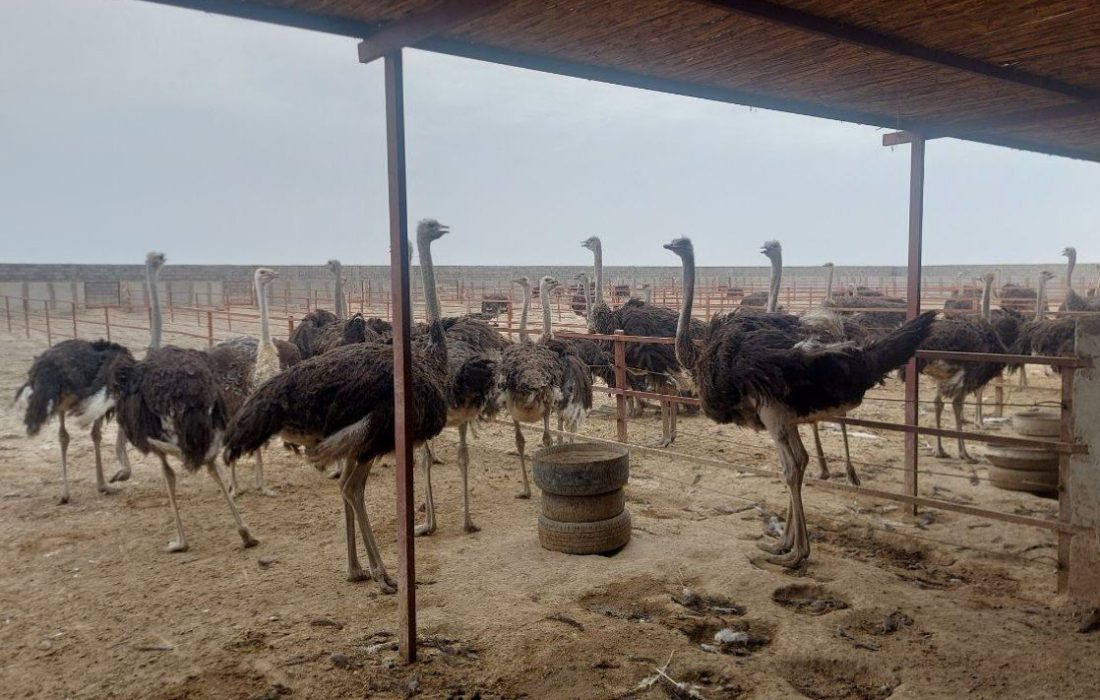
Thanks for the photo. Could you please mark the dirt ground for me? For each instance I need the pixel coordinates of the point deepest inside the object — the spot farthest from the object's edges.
(942, 606)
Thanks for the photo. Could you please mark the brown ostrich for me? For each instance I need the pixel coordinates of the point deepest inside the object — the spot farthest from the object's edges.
(540, 378)
(170, 403)
(340, 405)
(1048, 337)
(58, 381)
(753, 373)
(309, 329)
(470, 380)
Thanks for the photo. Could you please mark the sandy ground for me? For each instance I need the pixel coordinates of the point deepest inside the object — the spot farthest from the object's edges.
(945, 606)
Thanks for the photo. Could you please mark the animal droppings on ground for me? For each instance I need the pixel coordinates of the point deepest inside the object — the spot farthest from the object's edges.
(808, 599)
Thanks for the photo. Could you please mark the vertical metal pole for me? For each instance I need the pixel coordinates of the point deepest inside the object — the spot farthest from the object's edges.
(49, 335)
(107, 321)
(74, 319)
(912, 299)
(1065, 434)
(210, 329)
(289, 326)
(7, 312)
(620, 384)
(402, 356)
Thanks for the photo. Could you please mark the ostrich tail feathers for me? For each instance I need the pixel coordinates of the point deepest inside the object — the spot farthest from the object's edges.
(894, 350)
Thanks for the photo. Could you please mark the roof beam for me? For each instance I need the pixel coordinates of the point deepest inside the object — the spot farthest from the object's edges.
(967, 129)
(415, 28)
(284, 16)
(887, 43)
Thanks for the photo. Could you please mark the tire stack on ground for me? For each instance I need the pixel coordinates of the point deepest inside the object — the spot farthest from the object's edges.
(1030, 469)
(583, 504)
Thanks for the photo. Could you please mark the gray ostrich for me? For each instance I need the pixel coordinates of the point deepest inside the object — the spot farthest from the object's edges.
(1074, 301)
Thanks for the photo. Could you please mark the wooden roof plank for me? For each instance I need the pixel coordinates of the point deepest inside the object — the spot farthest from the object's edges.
(413, 29)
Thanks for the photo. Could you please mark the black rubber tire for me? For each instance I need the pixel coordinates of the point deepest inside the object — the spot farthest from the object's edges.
(1039, 481)
(1037, 424)
(581, 469)
(583, 509)
(585, 538)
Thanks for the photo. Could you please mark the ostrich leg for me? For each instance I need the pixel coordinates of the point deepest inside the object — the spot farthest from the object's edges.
(260, 487)
(521, 442)
(853, 478)
(787, 543)
(63, 438)
(464, 468)
(358, 483)
(123, 474)
(215, 472)
(823, 468)
(355, 570)
(957, 407)
(979, 420)
(180, 543)
(561, 428)
(234, 490)
(426, 462)
(97, 438)
(938, 404)
(546, 439)
(793, 458)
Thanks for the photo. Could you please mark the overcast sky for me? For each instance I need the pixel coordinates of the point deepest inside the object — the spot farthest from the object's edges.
(127, 126)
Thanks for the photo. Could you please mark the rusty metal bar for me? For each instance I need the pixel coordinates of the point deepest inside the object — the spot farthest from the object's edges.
(27, 316)
(74, 319)
(620, 383)
(1065, 434)
(7, 312)
(210, 329)
(1006, 359)
(402, 355)
(49, 335)
(1063, 447)
(107, 321)
(912, 296)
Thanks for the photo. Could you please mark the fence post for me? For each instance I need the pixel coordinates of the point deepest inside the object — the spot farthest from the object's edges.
(74, 319)
(49, 334)
(1079, 478)
(171, 306)
(289, 325)
(210, 329)
(7, 312)
(107, 321)
(27, 314)
(999, 397)
(620, 384)
(228, 319)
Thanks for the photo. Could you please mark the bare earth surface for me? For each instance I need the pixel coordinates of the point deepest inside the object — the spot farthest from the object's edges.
(92, 606)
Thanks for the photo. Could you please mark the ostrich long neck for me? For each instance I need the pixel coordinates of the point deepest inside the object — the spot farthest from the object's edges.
(152, 274)
(1040, 298)
(547, 320)
(598, 255)
(987, 297)
(587, 298)
(686, 352)
(829, 287)
(773, 289)
(427, 274)
(1071, 262)
(523, 337)
(265, 325)
(340, 304)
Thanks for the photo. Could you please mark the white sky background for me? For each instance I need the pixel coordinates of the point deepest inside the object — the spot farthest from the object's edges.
(127, 126)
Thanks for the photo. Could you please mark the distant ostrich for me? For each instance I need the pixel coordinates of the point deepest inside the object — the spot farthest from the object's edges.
(308, 330)
(1074, 301)
(1048, 337)
(58, 381)
(170, 403)
(656, 362)
(537, 379)
(470, 379)
(755, 374)
(963, 298)
(957, 380)
(829, 284)
(647, 293)
(340, 405)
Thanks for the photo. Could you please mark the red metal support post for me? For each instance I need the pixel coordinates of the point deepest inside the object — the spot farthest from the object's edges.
(402, 355)
(74, 319)
(107, 321)
(1065, 434)
(620, 384)
(912, 299)
(210, 329)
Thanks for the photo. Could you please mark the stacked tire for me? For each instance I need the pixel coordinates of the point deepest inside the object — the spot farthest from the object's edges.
(583, 504)
(1030, 469)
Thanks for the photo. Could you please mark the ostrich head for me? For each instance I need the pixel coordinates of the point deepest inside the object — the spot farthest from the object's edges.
(522, 281)
(581, 277)
(334, 266)
(265, 275)
(1070, 252)
(772, 250)
(430, 230)
(1046, 276)
(592, 243)
(154, 260)
(681, 246)
(987, 278)
(828, 264)
(549, 283)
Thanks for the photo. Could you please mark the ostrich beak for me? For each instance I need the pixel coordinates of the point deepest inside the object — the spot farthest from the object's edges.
(667, 246)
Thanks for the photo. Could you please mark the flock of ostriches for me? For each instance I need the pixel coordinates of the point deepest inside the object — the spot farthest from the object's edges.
(328, 393)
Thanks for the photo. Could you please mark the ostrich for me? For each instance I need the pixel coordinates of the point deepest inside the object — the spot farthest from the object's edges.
(957, 380)
(58, 381)
(341, 406)
(753, 373)
(537, 379)
(308, 330)
(1049, 337)
(1074, 301)
(963, 298)
(829, 284)
(470, 379)
(169, 403)
(595, 355)
(657, 363)
(647, 293)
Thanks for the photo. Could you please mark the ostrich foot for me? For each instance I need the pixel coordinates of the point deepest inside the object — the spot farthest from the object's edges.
(777, 548)
(357, 574)
(235, 492)
(791, 560)
(823, 475)
(109, 490)
(120, 475)
(177, 546)
(385, 583)
(966, 457)
(62, 499)
(425, 529)
(853, 479)
(940, 453)
(247, 540)
(662, 443)
(470, 527)
(265, 491)
(334, 474)
(525, 493)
